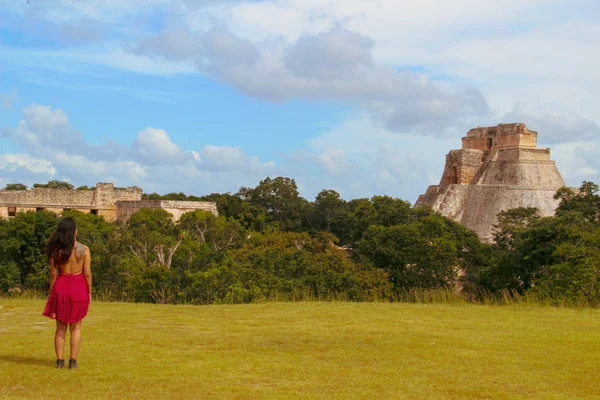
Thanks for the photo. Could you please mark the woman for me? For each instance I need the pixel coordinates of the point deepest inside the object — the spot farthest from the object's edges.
(70, 288)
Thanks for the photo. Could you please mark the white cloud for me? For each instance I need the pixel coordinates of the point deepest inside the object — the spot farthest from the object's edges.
(153, 161)
(134, 171)
(155, 146)
(552, 125)
(227, 158)
(531, 51)
(335, 65)
(514, 50)
(11, 162)
(578, 160)
(358, 158)
(333, 161)
(392, 14)
(42, 126)
(76, 164)
(327, 56)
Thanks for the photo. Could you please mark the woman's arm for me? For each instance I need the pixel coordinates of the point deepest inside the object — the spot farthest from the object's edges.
(87, 270)
(53, 273)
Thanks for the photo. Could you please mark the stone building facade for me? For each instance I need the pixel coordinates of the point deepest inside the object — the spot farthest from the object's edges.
(104, 200)
(177, 208)
(498, 168)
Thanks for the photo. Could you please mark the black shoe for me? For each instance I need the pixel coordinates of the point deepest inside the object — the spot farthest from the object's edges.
(72, 363)
(60, 363)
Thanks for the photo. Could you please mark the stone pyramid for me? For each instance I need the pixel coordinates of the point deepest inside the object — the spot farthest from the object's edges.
(498, 168)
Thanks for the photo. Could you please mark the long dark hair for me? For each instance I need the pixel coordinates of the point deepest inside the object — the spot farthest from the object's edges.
(60, 244)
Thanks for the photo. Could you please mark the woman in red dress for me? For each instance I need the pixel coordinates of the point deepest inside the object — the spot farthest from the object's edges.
(70, 288)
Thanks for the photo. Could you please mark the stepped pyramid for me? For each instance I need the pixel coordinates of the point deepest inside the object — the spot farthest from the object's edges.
(498, 168)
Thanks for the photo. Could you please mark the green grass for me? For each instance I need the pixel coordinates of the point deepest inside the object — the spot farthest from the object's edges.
(306, 350)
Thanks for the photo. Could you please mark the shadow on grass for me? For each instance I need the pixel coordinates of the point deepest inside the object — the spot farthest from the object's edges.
(25, 360)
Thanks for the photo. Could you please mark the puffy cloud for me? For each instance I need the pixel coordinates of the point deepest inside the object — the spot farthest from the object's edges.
(227, 158)
(12, 162)
(332, 160)
(42, 126)
(155, 146)
(484, 43)
(334, 65)
(25, 168)
(577, 161)
(329, 55)
(221, 48)
(153, 161)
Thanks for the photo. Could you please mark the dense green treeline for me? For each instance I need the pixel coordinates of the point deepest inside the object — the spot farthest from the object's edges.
(270, 243)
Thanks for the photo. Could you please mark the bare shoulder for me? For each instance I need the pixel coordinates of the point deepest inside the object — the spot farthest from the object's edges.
(80, 250)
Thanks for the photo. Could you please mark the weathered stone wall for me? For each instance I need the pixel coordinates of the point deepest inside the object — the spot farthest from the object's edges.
(476, 143)
(100, 200)
(524, 154)
(103, 196)
(500, 136)
(461, 166)
(485, 202)
(516, 140)
(506, 167)
(177, 208)
(47, 197)
(105, 201)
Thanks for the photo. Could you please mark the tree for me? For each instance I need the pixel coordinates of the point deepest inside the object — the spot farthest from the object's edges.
(585, 201)
(15, 186)
(511, 223)
(54, 184)
(153, 237)
(389, 211)
(554, 256)
(296, 264)
(328, 212)
(228, 205)
(151, 196)
(280, 201)
(219, 233)
(419, 254)
(558, 257)
(170, 196)
(359, 216)
(22, 243)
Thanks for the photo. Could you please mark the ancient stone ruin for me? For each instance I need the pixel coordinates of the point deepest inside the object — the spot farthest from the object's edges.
(498, 168)
(104, 200)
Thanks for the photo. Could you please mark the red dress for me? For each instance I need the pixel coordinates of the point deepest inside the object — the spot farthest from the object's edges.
(69, 299)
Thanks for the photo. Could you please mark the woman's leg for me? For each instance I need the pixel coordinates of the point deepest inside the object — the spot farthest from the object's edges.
(59, 340)
(75, 338)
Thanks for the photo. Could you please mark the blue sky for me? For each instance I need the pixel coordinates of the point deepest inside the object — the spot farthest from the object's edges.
(361, 97)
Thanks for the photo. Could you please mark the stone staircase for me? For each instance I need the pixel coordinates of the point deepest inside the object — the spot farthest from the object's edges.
(488, 157)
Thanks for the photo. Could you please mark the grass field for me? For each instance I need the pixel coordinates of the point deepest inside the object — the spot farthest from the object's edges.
(306, 350)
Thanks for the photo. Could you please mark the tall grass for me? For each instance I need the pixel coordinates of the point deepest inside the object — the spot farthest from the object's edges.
(421, 296)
